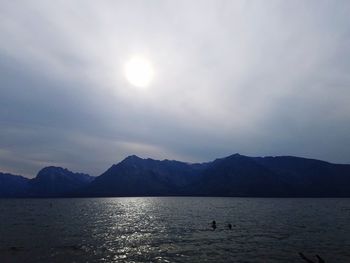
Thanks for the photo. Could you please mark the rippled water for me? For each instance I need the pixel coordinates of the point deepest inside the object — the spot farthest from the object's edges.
(163, 229)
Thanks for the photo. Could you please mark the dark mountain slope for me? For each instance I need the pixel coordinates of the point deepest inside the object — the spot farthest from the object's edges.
(309, 177)
(57, 181)
(136, 176)
(13, 185)
(239, 175)
(235, 175)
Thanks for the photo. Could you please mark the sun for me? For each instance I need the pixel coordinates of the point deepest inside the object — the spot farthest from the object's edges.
(139, 72)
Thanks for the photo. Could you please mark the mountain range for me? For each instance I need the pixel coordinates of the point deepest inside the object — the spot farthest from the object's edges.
(235, 175)
(49, 182)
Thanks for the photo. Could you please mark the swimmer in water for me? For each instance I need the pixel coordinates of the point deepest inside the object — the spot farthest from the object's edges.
(229, 226)
(213, 225)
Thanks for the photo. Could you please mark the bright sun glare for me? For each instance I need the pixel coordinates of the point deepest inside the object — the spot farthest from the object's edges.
(139, 72)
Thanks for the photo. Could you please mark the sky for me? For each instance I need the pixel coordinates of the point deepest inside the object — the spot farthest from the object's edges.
(260, 78)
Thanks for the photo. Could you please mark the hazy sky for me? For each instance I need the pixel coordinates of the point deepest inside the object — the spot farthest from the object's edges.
(255, 77)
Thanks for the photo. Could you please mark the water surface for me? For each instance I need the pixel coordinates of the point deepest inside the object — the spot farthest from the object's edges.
(173, 229)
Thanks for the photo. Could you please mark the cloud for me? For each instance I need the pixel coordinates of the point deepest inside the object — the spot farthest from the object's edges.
(259, 78)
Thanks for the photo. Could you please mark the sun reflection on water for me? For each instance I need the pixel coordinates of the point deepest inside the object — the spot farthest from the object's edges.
(169, 229)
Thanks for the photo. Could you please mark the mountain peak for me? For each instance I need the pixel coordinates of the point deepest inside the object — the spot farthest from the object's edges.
(52, 170)
(236, 155)
(55, 171)
(133, 157)
(230, 157)
(52, 181)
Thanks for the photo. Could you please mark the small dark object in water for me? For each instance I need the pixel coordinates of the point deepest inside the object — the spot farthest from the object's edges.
(320, 260)
(213, 225)
(229, 226)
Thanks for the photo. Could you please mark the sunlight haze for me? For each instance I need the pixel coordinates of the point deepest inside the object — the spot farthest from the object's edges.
(83, 84)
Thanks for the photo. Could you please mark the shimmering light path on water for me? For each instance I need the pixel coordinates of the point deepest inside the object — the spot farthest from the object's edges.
(166, 229)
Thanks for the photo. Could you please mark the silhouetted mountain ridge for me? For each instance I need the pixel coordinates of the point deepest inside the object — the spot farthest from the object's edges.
(13, 185)
(137, 176)
(235, 175)
(49, 182)
(56, 181)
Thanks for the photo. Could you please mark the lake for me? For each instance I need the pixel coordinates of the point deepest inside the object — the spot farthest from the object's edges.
(174, 229)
